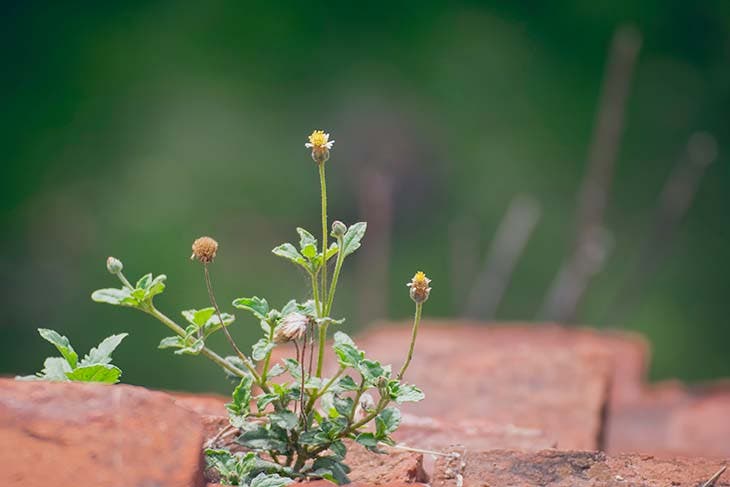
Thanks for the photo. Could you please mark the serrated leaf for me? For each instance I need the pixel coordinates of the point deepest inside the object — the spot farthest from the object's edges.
(387, 421)
(258, 306)
(288, 251)
(157, 286)
(347, 354)
(339, 449)
(118, 297)
(343, 405)
(144, 282)
(337, 470)
(198, 317)
(284, 419)
(193, 349)
(305, 238)
(260, 438)
(347, 383)
(371, 370)
(55, 368)
(105, 373)
(270, 480)
(294, 368)
(171, 342)
(289, 307)
(401, 393)
(241, 397)
(261, 348)
(62, 344)
(353, 236)
(102, 353)
(276, 370)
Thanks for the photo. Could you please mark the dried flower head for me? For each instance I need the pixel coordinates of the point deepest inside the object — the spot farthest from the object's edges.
(320, 144)
(419, 287)
(204, 249)
(365, 406)
(292, 327)
(114, 265)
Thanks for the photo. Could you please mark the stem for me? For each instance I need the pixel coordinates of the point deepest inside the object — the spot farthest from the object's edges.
(178, 330)
(124, 281)
(322, 343)
(335, 277)
(416, 321)
(238, 351)
(301, 393)
(265, 369)
(323, 184)
(315, 294)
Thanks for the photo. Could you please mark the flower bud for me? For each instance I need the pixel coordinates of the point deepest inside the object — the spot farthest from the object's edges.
(204, 249)
(292, 327)
(367, 403)
(114, 265)
(338, 229)
(419, 289)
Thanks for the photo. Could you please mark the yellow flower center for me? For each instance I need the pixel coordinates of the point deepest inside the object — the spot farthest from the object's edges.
(318, 138)
(419, 280)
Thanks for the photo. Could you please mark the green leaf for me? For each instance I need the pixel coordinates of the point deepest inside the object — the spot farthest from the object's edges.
(289, 307)
(347, 383)
(294, 368)
(347, 354)
(371, 370)
(198, 317)
(332, 250)
(339, 449)
(387, 421)
(240, 406)
(172, 342)
(157, 286)
(261, 348)
(284, 419)
(264, 400)
(343, 405)
(401, 393)
(270, 480)
(332, 465)
(144, 282)
(307, 243)
(118, 297)
(351, 239)
(102, 353)
(258, 306)
(276, 370)
(260, 438)
(95, 373)
(214, 323)
(62, 344)
(55, 368)
(193, 349)
(288, 251)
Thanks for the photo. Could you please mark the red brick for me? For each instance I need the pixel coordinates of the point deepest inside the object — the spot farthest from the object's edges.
(572, 469)
(68, 434)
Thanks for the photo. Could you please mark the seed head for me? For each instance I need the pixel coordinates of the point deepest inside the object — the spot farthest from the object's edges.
(320, 144)
(114, 265)
(338, 229)
(292, 327)
(419, 289)
(204, 249)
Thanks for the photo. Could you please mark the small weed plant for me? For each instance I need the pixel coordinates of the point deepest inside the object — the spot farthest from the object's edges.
(293, 418)
(96, 365)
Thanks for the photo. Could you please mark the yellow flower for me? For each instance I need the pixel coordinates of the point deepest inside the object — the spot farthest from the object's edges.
(419, 287)
(320, 144)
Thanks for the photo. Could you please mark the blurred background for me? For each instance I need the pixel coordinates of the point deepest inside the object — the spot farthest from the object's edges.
(550, 161)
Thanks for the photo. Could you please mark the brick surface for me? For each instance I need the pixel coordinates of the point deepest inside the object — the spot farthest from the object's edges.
(547, 379)
(509, 468)
(67, 434)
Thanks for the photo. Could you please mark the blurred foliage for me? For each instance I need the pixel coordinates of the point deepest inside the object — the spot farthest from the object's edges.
(131, 128)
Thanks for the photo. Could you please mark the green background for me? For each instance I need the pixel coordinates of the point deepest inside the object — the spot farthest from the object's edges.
(130, 128)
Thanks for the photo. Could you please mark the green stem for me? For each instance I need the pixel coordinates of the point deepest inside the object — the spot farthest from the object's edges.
(177, 329)
(317, 394)
(416, 321)
(315, 293)
(335, 277)
(265, 369)
(124, 281)
(323, 328)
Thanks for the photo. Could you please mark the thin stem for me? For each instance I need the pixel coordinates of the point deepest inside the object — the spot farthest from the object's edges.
(267, 359)
(320, 351)
(335, 277)
(178, 330)
(124, 281)
(315, 293)
(296, 347)
(301, 393)
(238, 351)
(323, 185)
(416, 321)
